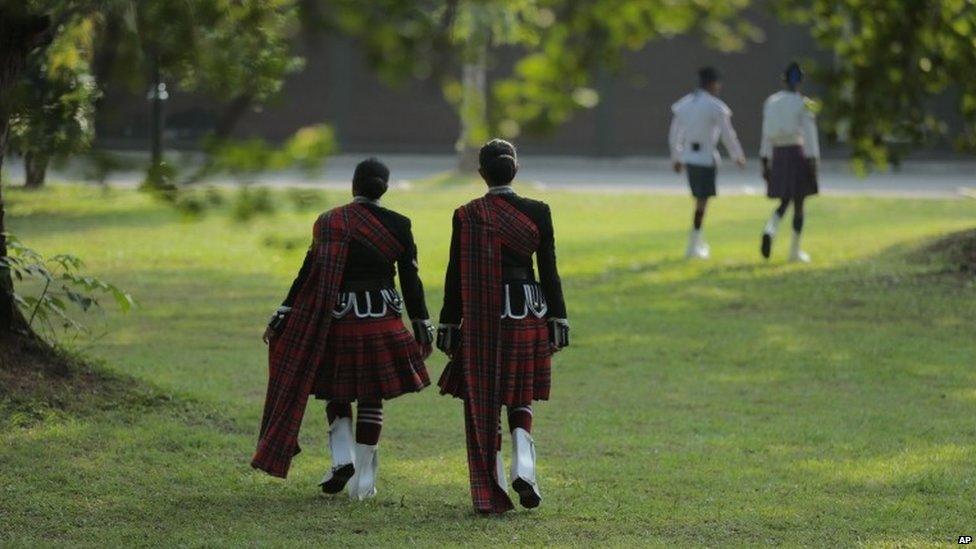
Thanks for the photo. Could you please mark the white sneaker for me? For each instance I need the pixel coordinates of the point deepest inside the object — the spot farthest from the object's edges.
(800, 257)
(341, 447)
(797, 255)
(362, 485)
(697, 248)
(704, 250)
(523, 469)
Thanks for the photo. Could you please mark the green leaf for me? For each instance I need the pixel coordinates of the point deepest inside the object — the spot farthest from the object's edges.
(54, 303)
(74, 288)
(123, 299)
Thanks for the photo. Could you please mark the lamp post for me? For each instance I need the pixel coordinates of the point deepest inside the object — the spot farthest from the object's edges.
(157, 95)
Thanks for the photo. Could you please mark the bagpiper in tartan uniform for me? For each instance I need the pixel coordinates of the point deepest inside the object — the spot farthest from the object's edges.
(339, 335)
(500, 327)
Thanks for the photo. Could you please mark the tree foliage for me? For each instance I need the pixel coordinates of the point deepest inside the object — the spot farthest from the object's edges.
(574, 41)
(56, 100)
(556, 47)
(219, 48)
(891, 59)
(236, 54)
(307, 150)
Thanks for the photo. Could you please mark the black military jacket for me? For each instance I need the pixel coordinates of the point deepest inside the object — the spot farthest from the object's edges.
(363, 264)
(545, 257)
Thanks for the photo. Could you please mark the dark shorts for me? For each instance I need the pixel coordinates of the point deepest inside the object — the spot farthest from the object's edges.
(701, 179)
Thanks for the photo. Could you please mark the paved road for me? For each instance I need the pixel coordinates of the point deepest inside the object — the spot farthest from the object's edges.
(923, 179)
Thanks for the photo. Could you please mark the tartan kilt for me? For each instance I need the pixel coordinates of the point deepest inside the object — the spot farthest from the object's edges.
(792, 176)
(370, 359)
(526, 363)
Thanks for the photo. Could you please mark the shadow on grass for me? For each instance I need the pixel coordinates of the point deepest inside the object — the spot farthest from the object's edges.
(38, 384)
(43, 223)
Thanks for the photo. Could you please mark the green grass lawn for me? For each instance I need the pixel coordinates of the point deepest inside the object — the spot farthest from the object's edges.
(732, 401)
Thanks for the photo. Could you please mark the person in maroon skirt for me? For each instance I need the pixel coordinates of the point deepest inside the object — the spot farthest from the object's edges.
(500, 327)
(790, 152)
(339, 335)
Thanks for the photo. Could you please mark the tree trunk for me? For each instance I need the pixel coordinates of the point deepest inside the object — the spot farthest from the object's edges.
(223, 128)
(20, 32)
(35, 170)
(231, 115)
(107, 54)
(473, 113)
(10, 318)
(156, 120)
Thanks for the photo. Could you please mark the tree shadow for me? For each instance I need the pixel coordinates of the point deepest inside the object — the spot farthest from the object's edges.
(44, 223)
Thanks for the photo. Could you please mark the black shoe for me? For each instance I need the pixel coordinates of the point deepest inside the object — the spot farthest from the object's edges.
(528, 497)
(339, 479)
(767, 245)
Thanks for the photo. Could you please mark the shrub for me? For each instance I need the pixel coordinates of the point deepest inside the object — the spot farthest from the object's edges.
(63, 285)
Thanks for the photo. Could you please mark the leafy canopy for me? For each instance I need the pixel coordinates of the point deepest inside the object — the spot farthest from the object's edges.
(57, 96)
(892, 58)
(232, 52)
(557, 46)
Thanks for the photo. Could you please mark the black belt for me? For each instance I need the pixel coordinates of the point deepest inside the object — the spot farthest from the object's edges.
(366, 285)
(518, 273)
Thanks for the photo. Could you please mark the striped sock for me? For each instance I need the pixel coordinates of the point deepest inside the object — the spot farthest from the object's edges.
(520, 416)
(335, 410)
(369, 422)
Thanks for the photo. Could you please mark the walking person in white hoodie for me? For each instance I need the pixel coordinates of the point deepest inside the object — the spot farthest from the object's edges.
(700, 120)
(790, 152)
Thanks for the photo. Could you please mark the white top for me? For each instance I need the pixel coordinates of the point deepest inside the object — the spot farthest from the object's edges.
(701, 118)
(789, 120)
(501, 189)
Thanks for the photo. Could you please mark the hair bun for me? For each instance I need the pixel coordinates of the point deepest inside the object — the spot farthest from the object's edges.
(498, 162)
(370, 178)
(793, 74)
(502, 168)
(505, 159)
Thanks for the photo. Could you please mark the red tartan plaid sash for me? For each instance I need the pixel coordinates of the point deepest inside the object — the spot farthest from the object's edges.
(487, 224)
(296, 354)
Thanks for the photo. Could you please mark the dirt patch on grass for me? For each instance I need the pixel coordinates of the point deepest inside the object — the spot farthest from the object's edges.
(956, 251)
(38, 382)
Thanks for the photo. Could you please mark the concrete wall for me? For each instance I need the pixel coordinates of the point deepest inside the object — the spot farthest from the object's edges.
(632, 118)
